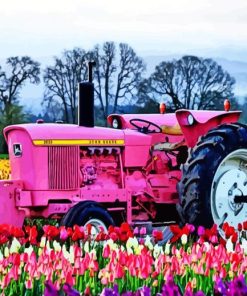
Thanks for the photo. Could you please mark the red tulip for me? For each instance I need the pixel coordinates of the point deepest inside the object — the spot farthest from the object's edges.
(51, 231)
(240, 227)
(16, 259)
(17, 232)
(3, 239)
(234, 237)
(157, 235)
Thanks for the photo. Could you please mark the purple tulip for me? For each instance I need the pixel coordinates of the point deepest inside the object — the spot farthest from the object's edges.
(70, 291)
(191, 228)
(219, 288)
(145, 291)
(199, 293)
(237, 287)
(201, 230)
(170, 288)
(110, 292)
(50, 289)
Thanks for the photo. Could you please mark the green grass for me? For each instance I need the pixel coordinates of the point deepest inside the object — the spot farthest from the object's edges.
(4, 156)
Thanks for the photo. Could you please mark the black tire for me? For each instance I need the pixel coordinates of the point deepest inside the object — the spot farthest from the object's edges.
(69, 218)
(199, 171)
(83, 212)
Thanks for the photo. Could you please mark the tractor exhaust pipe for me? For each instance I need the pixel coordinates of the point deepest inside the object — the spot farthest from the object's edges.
(86, 100)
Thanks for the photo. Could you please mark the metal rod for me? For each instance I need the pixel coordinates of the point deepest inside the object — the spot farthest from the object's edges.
(90, 70)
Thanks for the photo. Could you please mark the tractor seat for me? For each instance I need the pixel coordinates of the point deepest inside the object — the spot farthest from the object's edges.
(171, 129)
(166, 146)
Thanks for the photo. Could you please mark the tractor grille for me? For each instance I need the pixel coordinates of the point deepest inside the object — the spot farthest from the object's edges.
(63, 166)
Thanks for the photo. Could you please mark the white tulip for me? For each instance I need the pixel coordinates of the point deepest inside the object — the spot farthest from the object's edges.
(15, 246)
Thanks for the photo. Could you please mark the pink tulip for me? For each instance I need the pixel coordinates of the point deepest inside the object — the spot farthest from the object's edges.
(69, 279)
(77, 251)
(119, 271)
(104, 281)
(87, 291)
(6, 280)
(106, 251)
(136, 231)
(63, 234)
(29, 284)
(143, 231)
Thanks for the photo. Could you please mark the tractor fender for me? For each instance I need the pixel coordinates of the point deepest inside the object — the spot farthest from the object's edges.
(195, 123)
(9, 195)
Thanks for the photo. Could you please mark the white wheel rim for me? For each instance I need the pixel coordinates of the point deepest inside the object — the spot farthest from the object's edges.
(97, 226)
(230, 180)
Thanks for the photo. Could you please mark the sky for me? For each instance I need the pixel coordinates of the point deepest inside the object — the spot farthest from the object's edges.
(41, 28)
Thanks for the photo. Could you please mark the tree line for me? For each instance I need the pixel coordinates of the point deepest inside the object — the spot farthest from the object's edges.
(189, 82)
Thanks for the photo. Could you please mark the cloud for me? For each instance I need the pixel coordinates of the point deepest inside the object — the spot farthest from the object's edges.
(44, 27)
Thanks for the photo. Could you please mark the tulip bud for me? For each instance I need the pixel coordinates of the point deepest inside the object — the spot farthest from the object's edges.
(184, 239)
(15, 246)
(167, 248)
(57, 247)
(6, 252)
(229, 245)
(86, 247)
(42, 242)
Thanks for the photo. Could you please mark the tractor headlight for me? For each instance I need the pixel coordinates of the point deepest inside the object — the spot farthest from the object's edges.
(115, 123)
(190, 119)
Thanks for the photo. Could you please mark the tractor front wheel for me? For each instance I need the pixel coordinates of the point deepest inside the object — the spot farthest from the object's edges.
(88, 212)
(213, 188)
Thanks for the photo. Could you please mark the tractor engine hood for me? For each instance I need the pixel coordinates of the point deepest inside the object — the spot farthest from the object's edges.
(50, 134)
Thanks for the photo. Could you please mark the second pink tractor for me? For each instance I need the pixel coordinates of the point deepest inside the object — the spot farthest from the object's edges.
(143, 169)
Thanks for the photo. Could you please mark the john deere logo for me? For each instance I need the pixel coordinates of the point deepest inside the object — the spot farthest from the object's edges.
(17, 150)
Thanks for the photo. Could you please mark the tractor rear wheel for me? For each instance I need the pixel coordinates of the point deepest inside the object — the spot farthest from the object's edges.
(213, 187)
(88, 212)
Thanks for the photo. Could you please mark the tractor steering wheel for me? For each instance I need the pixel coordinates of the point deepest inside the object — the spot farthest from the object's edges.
(145, 128)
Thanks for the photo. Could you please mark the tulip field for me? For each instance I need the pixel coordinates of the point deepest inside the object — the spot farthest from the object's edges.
(51, 260)
(70, 261)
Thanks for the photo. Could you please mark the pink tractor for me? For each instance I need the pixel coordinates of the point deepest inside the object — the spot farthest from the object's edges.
(144, 169)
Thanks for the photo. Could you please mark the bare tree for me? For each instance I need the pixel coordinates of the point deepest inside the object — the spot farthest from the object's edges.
(117, 75)
(18, 71)
(61, 81)
(12, 114)
(190, 83)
